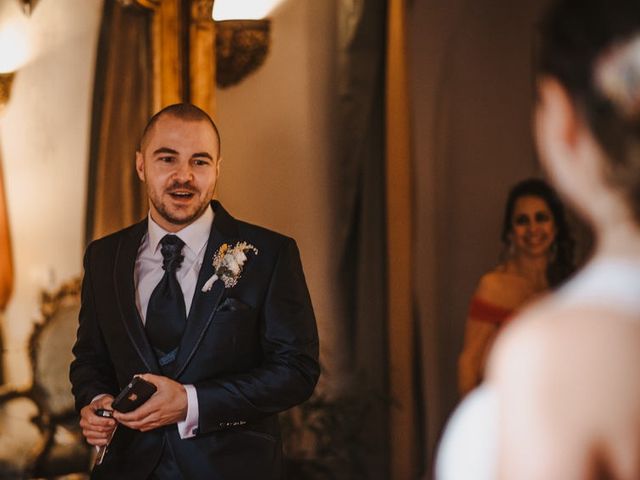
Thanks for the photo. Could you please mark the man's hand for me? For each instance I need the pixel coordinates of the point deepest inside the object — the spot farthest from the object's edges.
(165, 407)
(97, 430)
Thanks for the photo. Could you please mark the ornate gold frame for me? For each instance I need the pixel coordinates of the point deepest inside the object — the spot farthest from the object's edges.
(46, 420)
(183, 40)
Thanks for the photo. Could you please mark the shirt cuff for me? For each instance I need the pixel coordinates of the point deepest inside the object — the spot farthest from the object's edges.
(188, 427)
(93, 400)
(97, 397)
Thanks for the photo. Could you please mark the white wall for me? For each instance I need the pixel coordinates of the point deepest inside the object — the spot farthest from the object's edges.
(44, 145)
(276, 147)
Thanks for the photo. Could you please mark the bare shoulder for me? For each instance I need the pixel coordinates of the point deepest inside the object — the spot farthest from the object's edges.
(567, 378)
(524, 347)
(572, 364)
(573, 329)
(556, 339)
(503, 289)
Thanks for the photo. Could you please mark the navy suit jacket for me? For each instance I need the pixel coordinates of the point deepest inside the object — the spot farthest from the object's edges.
(251, 351)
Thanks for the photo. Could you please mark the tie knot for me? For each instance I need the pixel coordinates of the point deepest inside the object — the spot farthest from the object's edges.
(171, 249)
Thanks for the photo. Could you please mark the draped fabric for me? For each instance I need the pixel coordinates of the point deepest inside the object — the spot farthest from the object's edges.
(375, 163)
(361, 127)
(122, 104)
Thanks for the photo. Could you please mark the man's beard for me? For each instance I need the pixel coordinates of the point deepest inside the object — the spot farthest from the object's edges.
(174, 220)
(180, 221)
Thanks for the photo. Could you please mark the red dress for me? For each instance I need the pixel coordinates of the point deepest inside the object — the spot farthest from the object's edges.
(484, 311)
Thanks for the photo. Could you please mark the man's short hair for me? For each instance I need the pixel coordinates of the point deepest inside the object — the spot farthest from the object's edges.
(183, 111)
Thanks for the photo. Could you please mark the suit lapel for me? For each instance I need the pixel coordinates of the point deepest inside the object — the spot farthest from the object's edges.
(126, 297)
(204, 304)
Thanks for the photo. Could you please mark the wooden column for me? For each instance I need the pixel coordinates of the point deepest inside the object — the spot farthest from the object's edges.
(399, 248)
(202, 56)
(167, 53)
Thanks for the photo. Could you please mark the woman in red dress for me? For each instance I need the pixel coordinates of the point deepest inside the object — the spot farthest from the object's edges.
(538, 256)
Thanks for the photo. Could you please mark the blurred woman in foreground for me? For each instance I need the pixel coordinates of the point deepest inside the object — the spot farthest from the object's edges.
(538, 256)
(562, 396)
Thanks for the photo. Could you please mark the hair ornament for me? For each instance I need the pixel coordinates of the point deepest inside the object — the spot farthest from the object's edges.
(617, 76)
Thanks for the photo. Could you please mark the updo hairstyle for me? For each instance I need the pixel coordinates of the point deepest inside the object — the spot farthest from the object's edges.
(592, 47)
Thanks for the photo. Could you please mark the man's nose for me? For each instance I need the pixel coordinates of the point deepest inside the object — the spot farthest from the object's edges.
(183, 172)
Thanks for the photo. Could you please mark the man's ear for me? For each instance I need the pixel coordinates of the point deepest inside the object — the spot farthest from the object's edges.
(140, 166)
(218, 162)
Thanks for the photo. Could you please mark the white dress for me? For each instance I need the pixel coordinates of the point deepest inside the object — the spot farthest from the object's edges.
(469, 447)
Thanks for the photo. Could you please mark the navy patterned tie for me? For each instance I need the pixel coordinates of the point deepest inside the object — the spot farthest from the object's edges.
(166, 313)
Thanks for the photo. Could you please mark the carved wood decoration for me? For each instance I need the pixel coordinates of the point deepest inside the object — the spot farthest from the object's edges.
(241, 48)
(49, 443)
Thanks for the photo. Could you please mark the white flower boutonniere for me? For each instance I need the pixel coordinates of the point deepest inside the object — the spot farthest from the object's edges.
(228, 263)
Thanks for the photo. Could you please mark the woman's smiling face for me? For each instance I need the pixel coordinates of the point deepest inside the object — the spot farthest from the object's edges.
(533, 229)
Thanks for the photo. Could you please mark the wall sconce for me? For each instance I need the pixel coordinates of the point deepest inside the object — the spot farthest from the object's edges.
(241, 47)
(243, 34)
(6, 79)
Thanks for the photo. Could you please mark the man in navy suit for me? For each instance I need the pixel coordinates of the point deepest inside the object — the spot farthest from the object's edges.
(213, 311)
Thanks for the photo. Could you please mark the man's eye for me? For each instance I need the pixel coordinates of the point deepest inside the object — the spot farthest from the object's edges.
(201, 162)
(166, 159)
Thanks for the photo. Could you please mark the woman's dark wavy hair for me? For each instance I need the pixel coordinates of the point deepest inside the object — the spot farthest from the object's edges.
(562, 264)
(574, 36)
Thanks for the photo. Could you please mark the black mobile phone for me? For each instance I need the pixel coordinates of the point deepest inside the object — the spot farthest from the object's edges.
(133, 395)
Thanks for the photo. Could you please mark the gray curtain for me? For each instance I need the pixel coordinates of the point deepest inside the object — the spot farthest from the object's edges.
(122, 104)
(360, 126)
(473, 91)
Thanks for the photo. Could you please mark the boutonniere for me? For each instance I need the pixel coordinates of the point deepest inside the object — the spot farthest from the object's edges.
(228, 263)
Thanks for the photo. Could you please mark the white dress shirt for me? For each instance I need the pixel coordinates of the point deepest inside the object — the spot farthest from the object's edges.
(148, 272)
